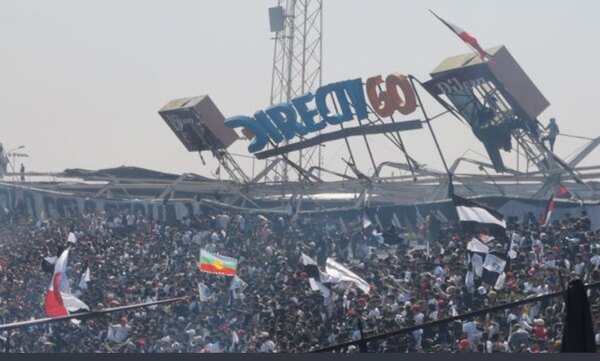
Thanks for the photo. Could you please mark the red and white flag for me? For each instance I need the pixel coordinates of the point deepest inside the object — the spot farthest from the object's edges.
(467, 38)
(548, 213)
(563, 192)
(59, 300)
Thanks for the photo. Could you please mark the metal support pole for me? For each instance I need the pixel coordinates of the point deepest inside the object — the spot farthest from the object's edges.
(437, 145)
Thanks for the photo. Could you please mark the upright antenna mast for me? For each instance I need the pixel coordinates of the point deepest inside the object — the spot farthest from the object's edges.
(297, 61)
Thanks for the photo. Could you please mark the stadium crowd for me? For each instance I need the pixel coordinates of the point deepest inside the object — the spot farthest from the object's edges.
(134, 260)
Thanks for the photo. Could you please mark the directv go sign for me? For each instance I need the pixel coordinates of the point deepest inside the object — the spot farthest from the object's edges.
(310, 112)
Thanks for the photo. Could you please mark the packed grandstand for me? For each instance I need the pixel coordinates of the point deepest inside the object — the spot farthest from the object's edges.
(271, 306)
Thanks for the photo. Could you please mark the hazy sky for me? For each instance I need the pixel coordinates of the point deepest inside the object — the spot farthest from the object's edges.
(81, 81)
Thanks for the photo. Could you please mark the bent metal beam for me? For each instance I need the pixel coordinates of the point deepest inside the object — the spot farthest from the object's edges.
(345, 133)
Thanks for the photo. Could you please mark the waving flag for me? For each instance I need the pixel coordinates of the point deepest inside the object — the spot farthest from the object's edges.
(237, 287)
(204, 292)
(318, 280)
(85, 278)
(466, 37)
(72, 238)
(545, 219)
(59, 300)
(563, 192)
(493, 267)
(366, 219)
(475, 218)
(213, 263)
(340, 272)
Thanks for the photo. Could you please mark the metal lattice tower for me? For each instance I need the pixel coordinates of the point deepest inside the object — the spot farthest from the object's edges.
(297, 64)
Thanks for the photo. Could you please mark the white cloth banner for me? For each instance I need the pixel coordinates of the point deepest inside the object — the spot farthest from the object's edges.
(494, 263)
(339, 271)
(477, 262)
(476, 245)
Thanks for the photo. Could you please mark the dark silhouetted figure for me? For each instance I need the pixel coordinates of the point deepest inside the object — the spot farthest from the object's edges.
(553, 131)
(578, 332)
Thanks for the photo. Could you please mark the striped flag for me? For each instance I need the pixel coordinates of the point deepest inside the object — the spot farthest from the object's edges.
(466, 37)
(545, 219)
(476, 218)
(59, 299)
(213, 263)
(317, 279)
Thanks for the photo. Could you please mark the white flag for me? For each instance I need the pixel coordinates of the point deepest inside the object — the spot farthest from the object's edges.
(500, 281)
(514, 240)
(237, 286)
(476, 245)
(494, 263)
(318, 286)
(204, 292)
(71, 238)
(85, 278)
(477, 262)
(366, 221)
(469, 282)
(342, 273)
(378, 221)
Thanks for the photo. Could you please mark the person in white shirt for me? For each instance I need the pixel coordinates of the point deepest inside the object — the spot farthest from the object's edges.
(473, 334)
(525, 323)
(580, 266)
(374, 313)
(267, 346)
(119, 332)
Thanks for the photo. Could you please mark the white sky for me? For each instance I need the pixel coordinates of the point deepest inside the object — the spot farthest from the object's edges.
(81, 81)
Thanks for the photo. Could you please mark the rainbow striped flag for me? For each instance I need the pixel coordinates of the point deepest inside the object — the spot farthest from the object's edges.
(213, 263)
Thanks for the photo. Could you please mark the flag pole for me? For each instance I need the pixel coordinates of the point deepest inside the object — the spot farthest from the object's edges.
(451, 29)
(473, 49)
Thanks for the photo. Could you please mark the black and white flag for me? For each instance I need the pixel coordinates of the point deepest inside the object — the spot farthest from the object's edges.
(318, 280)
(48, 264)
(477, 246)
(493, 267)
(476, 218)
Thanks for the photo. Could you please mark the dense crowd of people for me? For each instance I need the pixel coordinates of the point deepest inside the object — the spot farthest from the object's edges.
(273, 308)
